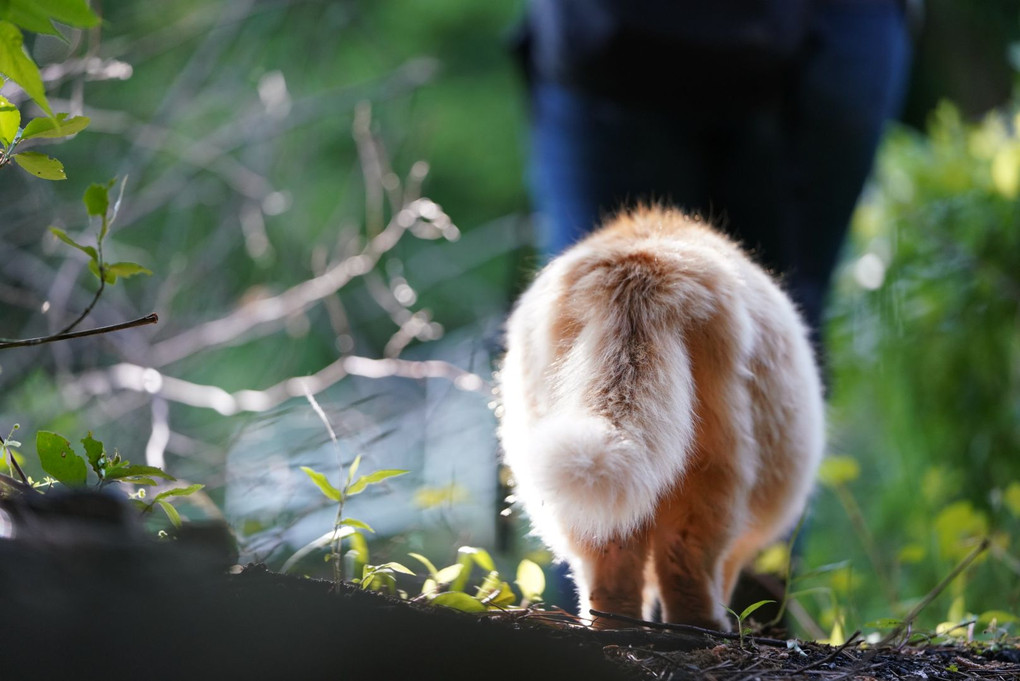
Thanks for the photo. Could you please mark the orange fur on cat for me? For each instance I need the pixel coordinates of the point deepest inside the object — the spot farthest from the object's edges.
(661, 412)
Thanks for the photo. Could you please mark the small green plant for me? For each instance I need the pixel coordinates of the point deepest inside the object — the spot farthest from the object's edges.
(450, 586)
(744, 614)
(63, 465)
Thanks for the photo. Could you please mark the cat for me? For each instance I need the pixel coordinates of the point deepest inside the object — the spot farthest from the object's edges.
(661, 412)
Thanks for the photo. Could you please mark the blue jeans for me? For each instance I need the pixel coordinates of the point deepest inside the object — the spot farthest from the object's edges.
(782, 175)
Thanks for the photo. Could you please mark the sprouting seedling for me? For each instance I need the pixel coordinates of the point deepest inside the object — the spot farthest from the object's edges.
(349, 488)
(97, 204)
(745, 613)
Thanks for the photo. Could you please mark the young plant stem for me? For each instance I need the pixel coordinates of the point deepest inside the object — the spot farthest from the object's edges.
(787, 578)
(141, 321)
(83, 315)
(853, 511)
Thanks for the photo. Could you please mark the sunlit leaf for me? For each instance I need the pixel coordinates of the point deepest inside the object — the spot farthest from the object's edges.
(16, 64)
(59, 460)
(87, 250)
(426, 562)
(351, 522)
(838, 470)
(1011, 498)
(481, 557)
(458, 601)
(353, 469)
(97, 199)
(38, 15)
(530, 580)
(323, 484)
(178, 492)
(396, 567)
(775, 560)
(364, 481)
(749, 610)
(61, 125)
(42, 166)
(127, 269)
(125, 470)
(171, 512)
(912, 554)
(94, 453)
(957, 527)
(447, 495)
(10, 119)
(449, 573)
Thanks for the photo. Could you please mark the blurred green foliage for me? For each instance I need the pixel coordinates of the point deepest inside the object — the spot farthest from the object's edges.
(924, 342)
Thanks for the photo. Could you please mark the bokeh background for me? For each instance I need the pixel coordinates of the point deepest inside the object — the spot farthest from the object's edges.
(334, 192)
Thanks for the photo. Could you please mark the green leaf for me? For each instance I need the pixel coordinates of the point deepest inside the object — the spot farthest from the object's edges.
(751, 608)
(97, 199)
(838, 470)
(170, 511)
(59, 460)
(427, 563)
(323, 484)
(58, 126)
(178, 492)
(138, 480)
(87, 250)
(126, 470)
(458, 601)
(351, 522)
(481, 557)
(126, 269)
(94, 453)
(10, 119)
(449, 574)
(352, 470)
(18, 66)
(530, 580)
(38, 15)
(42, 166)
(395, 567)
(364, 481)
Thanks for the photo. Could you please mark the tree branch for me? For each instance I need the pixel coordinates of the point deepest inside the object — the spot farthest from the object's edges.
(141, 321)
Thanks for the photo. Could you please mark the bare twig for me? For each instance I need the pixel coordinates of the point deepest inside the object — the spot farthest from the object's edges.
(141, 379)
(141, 321)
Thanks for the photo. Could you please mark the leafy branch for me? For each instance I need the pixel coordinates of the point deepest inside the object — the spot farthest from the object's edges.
(97, 204)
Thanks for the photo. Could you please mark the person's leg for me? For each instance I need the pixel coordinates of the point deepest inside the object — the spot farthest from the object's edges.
(852, 84)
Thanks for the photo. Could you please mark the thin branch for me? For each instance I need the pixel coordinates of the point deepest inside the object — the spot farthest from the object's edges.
(83, 315)
(141, 321)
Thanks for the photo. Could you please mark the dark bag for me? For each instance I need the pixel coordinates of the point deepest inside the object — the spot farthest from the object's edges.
(681, 46)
